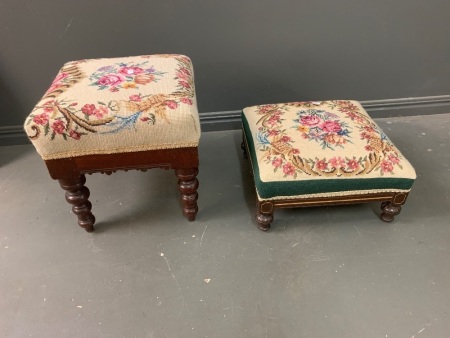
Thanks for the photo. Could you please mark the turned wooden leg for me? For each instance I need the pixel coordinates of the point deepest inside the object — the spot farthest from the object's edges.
(393, 207)
(188, 184)
(389, 211)
(77, 195)
(264, 215)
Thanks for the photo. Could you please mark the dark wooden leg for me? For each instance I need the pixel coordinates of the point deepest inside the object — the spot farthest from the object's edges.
(264, 215)
(188, 184)
(77, 195)
(389, 211)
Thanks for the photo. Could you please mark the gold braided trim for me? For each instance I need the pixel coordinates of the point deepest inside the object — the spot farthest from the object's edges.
(331, 194)
(118, 150)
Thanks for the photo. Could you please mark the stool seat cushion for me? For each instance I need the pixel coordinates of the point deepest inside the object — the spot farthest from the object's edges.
(106, 106)
(320, 149)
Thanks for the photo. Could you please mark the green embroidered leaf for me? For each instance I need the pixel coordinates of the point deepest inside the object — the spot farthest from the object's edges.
(64, 136)
(102, 103)
(46, 129)
(53, 136)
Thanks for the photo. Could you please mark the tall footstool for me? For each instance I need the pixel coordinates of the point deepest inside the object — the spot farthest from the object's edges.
(104, 115)
(321, 153)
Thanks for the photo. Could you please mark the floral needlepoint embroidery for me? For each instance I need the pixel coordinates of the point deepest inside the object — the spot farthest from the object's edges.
(334, 125)
(58, 118)
(124, 76)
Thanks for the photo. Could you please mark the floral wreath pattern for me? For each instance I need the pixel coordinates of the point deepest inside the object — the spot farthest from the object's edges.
(332, 126)
(66, 119)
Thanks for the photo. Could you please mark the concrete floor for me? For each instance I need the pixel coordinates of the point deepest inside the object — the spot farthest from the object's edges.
(147, 272)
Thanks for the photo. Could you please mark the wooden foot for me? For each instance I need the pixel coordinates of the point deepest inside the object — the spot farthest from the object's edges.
(264, 214)
(264, 221)
(77, 195)
(188, 184)
(389, 211)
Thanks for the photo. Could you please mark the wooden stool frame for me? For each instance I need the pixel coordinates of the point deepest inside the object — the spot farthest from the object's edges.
(390, 206)
(70, 172)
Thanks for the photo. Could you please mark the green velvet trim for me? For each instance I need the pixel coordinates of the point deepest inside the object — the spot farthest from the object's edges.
(305, 187)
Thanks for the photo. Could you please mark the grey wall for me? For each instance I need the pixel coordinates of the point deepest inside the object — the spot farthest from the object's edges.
(244, 52)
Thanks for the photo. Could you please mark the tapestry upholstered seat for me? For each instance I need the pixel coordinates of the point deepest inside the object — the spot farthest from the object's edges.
(319, 153)
(103, 115)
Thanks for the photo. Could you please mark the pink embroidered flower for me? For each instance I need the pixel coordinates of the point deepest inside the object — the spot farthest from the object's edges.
(144, 78)
(88, 109)
(337, 162)
(100, 112)
(352, 164)
(365, 135)
(75, 135)
(49, 106)
(285, 139)
(182, 75)
(330, 126)
(273, 132)
(288, 169)
(386, 166)
(111, 80)
(184, 84)
(41, 119)
(58, 126)
(171, 104)
(394, 159)
(295, 151)
(311, 120)
(144, 119)
(113, 89)
(135, 98)
(368, 148)
(273, 119)
(186, 100)
(277, 162)
(321, 165)
(131, 70)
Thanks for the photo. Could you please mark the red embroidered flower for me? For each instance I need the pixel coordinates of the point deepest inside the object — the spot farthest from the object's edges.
(186, 100)
(131, 70)
(58, 126)
(273, 132)
(337, 162)
(41, 119)
(144, 119)
(184, 84)
(368, 148)
(285, 139)
(386, 166)
(288, 169)
(394, 159)
(295, 151)
(100, 112)
(310, 120)
(330, 126)
(277, 162)
(273, 119)
(111, 80)
(321, 165)
(88, 109)
(75, 135)
(171, 104)
(352, 164)
(135, 98)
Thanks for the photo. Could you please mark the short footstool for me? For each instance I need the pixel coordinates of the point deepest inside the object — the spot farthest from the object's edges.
(104, 115)
(322, 153)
